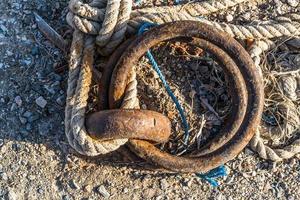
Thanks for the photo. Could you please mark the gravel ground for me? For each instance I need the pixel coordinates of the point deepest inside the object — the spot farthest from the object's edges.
(36, 161)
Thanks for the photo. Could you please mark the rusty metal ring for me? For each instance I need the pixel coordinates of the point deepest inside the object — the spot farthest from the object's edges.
(234, 143)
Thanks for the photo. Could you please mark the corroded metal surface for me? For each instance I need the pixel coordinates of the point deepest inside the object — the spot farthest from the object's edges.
(135, 124)
(244, 81)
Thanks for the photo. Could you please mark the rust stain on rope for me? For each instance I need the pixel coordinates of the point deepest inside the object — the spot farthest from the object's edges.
(245, 85)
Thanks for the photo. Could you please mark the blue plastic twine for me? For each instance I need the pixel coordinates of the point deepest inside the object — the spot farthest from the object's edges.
(212, 174)
(155, 66)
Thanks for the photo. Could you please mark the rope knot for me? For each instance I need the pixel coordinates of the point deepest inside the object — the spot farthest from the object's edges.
(105, 18)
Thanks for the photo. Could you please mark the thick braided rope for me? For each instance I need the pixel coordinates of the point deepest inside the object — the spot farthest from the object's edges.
(290, 126)
(161, 15)
(111, 22)
(130, 99)
(79, 81)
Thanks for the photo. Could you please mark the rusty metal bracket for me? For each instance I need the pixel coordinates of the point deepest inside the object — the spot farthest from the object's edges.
(245, 86)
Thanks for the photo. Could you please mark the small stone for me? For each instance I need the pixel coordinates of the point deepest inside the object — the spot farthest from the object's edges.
(41, 102)
(66, 197)
(102, 190)
(44, 128)
(34, 51)
(74, 185)
(13, 107)
(31, 177)
(40, 191)
(33, 118)
(88, 188)
(248, 151)
(11, 195)
(18, 101)
(229, 17)
(61, 100)
(3, 28)
(1, 142)
(9, 53)
(27, 114)
(194, 66)
(26, 61)
(23, 120)
(164, 184)
(293, 3)
(3, 176)
(160, 197)
(125, 190)
(28, 127)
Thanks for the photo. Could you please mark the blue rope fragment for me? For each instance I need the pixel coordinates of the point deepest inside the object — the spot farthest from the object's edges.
(213, 174)
(156, 67)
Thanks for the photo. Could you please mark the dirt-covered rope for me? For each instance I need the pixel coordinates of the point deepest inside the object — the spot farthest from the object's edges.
(291, 121)
(79, 81)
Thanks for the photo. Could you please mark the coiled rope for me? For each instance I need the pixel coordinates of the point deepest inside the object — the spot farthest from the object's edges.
(106, 22)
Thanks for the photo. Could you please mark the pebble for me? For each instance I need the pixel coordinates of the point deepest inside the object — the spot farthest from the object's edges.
(293, 3)
(66, 197)
(40, 191)
(23, 120)
(61, 100)
(44, 128)
(102, 190)
(13, 107)
(11, 195)
(27, 114)
(33, 118)
(1, 142)
(9, 53)
(31, 177)
(88, 188)
(28, 127)
(159, 197)
(26, 61)
(229, 17)
(144, 106)
(3, 176)
(74, 185)
(125, 190)
(41, 102)
(164, 184)
(18, 101)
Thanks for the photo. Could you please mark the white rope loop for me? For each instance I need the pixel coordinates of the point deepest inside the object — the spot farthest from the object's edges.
(80, 77)
(291, 124)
